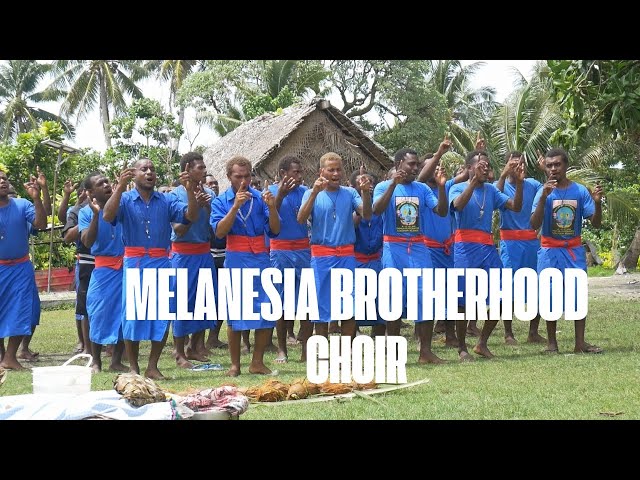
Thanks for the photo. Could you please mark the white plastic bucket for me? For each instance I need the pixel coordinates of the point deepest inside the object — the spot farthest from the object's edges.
(66, 379)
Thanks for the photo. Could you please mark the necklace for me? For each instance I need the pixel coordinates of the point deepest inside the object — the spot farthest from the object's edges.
(295, 204)
(564, 192)
(484, 197)
(334, 201)
(146, 221)
(3, 224)
(244, 218)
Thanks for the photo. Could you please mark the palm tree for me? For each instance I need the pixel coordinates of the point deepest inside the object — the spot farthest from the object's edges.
(468, 107)
(19, 80)
(175, 72)
(526, 121)
(105, 82)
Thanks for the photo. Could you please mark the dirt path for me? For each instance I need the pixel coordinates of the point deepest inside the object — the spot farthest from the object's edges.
(619, 286)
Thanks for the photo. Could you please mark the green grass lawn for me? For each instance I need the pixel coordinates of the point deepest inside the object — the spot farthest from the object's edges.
(600, 271)
(520, 383)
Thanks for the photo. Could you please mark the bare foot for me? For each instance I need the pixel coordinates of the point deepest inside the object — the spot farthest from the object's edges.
(205, 352)
(292, 341)
(233, 372)
(536, 338)
(550, 351)
(28, 355)
(191, 355)
(510, 340)
(78, 348)
(118, 367)
(216, 344)
(451, 342)
(246, 350)
(588, 348)
(281, 358)
(183, 363)
(259, 369)
(11, 365)
(473, 331)
(96, 368)
(465, 357)
(154, 374)
(430, 357)
(483, 350)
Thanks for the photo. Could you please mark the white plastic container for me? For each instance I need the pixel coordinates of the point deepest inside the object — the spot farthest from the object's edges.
(66, 379)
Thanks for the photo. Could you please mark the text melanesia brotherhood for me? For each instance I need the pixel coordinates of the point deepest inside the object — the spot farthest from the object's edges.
(524, 294)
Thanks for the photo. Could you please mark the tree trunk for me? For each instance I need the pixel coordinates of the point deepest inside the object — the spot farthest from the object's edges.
(630, 258)
(104, 113)
(175, 142)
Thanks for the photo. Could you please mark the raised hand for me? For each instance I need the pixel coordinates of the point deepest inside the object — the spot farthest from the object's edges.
(32, 188)
(94, 206)
(540, 160)
(185, 178)
(69, 186)
(444, 146)
(398, 177)
(268, 197)
(125, 177)
(287, 184)
(241, 195)
(510, 167)
(440, 175)
(320, 184)
(548, 187)
(365, 182)
(202, 197)
(42, 180)
(597, 193)
(519, 172)
(480, 142)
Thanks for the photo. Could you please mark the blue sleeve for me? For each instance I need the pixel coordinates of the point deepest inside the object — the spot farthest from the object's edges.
(119, 218)
(177, 209)
(430, 200)
(379, 190)
(356, 199)
(305, 197)
(218, 212)
(267, 227)
(29, 212)
(499, 199)
(454, 193)
(536, 200)
(589, 206)
(84, 218)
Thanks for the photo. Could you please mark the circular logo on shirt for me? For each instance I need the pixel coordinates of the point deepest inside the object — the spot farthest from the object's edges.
(408, 214)
(564, 216)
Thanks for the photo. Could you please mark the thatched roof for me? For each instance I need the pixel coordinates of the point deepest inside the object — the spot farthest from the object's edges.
(262, 139)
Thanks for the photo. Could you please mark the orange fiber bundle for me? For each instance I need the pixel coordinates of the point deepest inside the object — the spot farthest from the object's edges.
(335, 388)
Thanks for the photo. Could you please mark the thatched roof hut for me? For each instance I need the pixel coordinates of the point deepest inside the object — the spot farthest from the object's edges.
(307, 131)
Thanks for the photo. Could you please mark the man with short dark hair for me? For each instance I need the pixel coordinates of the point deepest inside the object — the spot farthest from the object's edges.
(244, 216)
(146, 218)
(559, 208)
(17, 280)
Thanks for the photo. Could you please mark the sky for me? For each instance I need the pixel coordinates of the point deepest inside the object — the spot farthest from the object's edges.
(496, 73)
